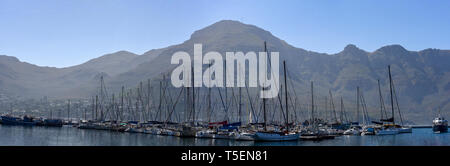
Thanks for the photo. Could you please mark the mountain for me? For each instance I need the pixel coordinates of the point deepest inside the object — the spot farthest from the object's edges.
(421, 78)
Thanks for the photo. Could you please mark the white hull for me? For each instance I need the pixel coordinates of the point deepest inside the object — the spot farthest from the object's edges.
(352, 132)
(405, 130)
(387, 132)
(204, 134)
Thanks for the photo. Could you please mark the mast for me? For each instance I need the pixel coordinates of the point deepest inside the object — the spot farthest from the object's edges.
(226, 92)
(148, 100)
(96, 107)
(68, 111)
(193, 97)
(240, 104)
(332, 104)
(390, 87)
(286, 96)
(160, 100)
(113, 108)
(209, 96)
(357, 104)
(93, 108)
(381, 100)
(312, 102)
(47, 105)
(121, 101)
(342, 110)
(264, 99)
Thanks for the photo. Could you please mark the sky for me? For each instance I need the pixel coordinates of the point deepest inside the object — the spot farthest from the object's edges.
(65, 33)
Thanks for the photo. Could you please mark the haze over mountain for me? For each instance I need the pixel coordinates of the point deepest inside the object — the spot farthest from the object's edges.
(422, 78)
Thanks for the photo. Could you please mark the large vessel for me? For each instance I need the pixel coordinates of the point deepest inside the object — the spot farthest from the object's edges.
(440, 124)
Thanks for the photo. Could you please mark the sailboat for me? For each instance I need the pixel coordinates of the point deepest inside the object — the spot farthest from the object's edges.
(273, 135)
(190, 129)
(355, 128)
(389, 129)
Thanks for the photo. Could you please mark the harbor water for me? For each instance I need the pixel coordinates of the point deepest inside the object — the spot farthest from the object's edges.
(70, 136)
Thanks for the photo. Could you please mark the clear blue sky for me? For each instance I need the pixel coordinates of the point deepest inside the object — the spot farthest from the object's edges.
(69, 32)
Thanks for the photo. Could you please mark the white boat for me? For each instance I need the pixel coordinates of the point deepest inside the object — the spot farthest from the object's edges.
(276, 136)
(330, 131)
(353, 131)
(205, 134)
(440, 125)
(405, 129)
(387, 131)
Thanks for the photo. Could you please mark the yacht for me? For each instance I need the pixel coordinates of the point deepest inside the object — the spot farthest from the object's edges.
(440, 125)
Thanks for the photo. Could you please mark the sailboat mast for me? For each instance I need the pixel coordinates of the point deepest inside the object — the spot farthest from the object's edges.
(68, 110)
(240, 104)
(209, 96)
(381, 101)
(121, 101)
(392, 99)
(312, 102)
(193, 97)
(286, 96)
(96, 107)
(357, 104)
(332, 104)
(264, 99)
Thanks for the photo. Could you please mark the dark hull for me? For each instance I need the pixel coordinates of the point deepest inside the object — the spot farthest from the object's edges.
(440, 128)
(13, 122)
(53, 123)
